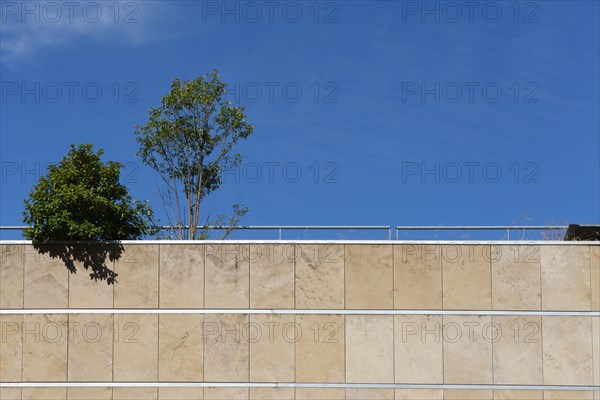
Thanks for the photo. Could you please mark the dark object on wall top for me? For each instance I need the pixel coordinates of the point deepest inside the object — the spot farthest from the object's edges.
(585, 232)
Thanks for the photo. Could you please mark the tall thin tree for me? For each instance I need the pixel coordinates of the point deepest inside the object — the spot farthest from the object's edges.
(189, 140)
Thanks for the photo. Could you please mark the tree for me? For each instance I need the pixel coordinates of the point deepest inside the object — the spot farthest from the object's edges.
(81, 199)
(189, 140)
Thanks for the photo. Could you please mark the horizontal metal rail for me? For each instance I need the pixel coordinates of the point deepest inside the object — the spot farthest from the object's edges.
(330, 242)
(301, 385)
(288, 311)
(506, 228)
(281, 228)
(258, 227)
(479, 228)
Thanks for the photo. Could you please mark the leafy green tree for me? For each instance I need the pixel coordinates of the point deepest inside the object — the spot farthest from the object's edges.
(82, 200)
(189, 140)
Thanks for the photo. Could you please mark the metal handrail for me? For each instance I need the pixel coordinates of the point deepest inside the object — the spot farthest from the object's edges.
(483, 227)
(507, 228)
(20, 227)
(398, 228)
(280, 228)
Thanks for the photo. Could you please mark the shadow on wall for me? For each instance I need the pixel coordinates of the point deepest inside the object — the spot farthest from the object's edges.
(92, 256)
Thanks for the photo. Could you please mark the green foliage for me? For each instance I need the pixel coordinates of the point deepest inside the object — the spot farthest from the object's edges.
(189, 141)
(81, 199)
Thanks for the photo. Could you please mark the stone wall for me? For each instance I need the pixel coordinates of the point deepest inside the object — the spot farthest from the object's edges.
(381, 313)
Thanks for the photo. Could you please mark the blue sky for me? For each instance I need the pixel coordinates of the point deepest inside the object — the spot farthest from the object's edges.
(366, 113)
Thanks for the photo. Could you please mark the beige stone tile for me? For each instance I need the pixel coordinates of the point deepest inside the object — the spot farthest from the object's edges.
(595, 275)
(227, 281)
(90, 393)
(85, 292)
(271, 351)
(369, 276)
(320, 394)
(567, 395)
(369, 394)
(419, 394)
(369, 344)
(45, 347)
(11, 348)
(220, 393)
(135, 393)
(10, 393)
(468, 394)
(226, 350)
(320, 276)
(466, 348)
(135, 348)
(47, 393)
(518, 395)
(418, 277)
(517, 349)
(467, 277)
(516, 277)
(596, 349)
(182, 393)
(46, 280)
(181, 347)
(137, 285)
(271, 393)
(11, 276)
(567, 345)
(320, 351)
(90, 347)
(271, 276)
(181, 276)
(418, 349)
(566, 278)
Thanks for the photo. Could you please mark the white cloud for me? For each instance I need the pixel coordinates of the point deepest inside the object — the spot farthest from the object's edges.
(29, 26)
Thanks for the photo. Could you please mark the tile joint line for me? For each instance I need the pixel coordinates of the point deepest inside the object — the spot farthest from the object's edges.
(294, 312)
